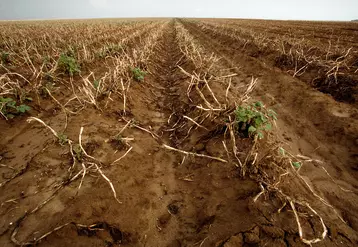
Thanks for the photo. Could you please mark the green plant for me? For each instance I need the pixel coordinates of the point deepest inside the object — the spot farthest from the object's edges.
(9, 107)
(69, 64)
(78, 152)
(62, 139)
(254, 119)
(138, 74)
(110, 50)
(297, 164)
(50, 86)
(49, 77)
(96, 83)
(119, 139)
(5, 58)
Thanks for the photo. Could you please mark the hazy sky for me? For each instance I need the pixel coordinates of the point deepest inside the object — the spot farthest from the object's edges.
(269, 9)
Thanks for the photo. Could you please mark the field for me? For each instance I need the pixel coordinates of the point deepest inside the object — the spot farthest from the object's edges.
(178, 132)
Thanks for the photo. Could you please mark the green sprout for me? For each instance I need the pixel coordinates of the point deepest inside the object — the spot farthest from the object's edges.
(78, 152)
(254, 119)
(5, 58)
(68, 64)
(9, 108)
(138, 74)
(62, 139)
(96, 83)
(297, 164)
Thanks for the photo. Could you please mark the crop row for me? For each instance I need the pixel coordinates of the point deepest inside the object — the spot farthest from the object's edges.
(335, 67)
(79, 73)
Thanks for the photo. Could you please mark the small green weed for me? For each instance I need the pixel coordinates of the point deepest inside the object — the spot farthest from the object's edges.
(138, 74)
(297, 164)
(282, 151)
(110, 50)
(254, 119)
(96, 83)
(117, 142)
(118, 138)
(50, 86)
(78, 152)
(62, 139)
(9, 107)
(68, 64)
(49, 77)
(5, 58)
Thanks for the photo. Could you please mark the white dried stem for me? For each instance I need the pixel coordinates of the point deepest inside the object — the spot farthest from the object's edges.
(194, 154)
(345, 190)
(124, 97)
(212, 93)
(227, 92)
(259, 194)
(125, 126)
(109, 182)
(30, 119)
(186, 117)
(124, 155)
(80, 144)
(203, 97)
(84, 169)
(300, 231)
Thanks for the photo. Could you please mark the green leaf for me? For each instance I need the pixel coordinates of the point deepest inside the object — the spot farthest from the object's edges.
(297, 164)
(259, 104)
(11, 104)
(62, 138)
(272, 114)
(23, 108)
(6, 100)
(96, 84)
(138, 74)
(263, 118)
(260, 135)
(258, 121)
(28, 99)
(268, 127)
(282, 151)
(10, 116)
(252, 129)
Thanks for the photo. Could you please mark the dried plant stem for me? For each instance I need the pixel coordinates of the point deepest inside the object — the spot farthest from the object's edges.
(194, 154)
(300, 231)
(84, 169)
(234, 147)
(186, 117)
(227, 92)
(203, 97)
(80, 144)
(125, 126)
(63, 108)
(121, 156)
(259, 194)
(155, 136)
(30, 119)
(124, 97)
(212, 93)
(249, 89)
(320, 198)
(109, 182)
(345, 190)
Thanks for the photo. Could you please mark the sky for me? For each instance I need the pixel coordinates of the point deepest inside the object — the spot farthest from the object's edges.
(263, 9)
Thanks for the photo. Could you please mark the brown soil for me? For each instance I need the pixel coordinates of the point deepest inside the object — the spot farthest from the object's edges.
(167, 201)
(343, 88)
